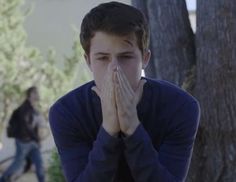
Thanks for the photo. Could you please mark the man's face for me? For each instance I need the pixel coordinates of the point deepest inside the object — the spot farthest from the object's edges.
(108, 50)
(34, 97)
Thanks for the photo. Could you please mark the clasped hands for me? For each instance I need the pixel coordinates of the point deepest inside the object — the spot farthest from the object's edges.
(119, 101)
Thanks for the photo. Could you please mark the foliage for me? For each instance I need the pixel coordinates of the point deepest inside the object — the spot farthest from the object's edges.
(23, 66)
(54, 169)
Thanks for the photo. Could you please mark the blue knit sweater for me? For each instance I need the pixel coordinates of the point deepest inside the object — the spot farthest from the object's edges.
(159, 150)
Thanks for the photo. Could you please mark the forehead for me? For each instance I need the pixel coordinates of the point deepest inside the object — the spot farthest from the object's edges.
(104, 42)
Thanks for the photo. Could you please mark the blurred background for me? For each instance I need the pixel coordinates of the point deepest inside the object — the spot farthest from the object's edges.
(192, 44)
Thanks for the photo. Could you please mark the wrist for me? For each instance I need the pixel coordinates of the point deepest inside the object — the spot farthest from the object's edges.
(110, 131)
(132, 128)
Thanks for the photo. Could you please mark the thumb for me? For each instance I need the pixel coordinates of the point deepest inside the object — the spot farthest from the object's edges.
(96, 90)
(139, 90)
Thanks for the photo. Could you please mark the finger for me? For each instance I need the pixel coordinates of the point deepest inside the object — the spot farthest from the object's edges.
(116, 86)
(123, 101)
(108, 80)
(139, 90)
(96, 90)
(117, 91)
(110, 71)
(108, 76)
(125, 91)
(125, 81)
(112, 84)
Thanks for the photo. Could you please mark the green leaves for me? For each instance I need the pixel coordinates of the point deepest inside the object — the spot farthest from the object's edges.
(22, 66)
(54, 170)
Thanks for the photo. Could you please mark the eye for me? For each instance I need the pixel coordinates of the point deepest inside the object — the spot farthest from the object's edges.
(126, 57)
(103, 58)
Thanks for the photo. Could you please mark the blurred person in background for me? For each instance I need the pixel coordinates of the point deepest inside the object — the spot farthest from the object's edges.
(24, 126)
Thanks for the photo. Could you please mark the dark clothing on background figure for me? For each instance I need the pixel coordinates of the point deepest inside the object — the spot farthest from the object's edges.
(159, 150)
(21, 125)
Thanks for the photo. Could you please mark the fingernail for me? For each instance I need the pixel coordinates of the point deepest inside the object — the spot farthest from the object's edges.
(117, 68)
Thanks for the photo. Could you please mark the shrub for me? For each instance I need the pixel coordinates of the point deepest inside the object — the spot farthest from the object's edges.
(55, 173)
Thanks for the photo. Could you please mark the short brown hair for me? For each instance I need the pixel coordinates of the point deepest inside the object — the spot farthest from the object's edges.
(114, 18)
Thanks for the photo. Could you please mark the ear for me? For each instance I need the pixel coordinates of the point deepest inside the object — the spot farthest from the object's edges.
(146, 58)
(87, 59)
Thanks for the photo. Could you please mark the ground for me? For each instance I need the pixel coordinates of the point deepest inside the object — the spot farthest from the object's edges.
(29, 177)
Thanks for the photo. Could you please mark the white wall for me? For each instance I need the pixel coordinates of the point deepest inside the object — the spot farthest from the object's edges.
(51, 22)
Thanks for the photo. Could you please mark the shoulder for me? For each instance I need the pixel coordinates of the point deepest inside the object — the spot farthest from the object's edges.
(65, 113)
(180, 108)
(172, 101)
(169, 92)
(73, 97)
(71, 101)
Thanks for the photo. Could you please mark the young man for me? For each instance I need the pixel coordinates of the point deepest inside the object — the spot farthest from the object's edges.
(24, 127)
(122, 127)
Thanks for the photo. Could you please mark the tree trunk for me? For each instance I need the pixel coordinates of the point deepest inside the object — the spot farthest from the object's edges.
(172, 39)
(150, 70)
(173, 52)
(215, 148)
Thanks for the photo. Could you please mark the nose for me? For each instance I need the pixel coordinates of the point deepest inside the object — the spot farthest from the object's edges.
(114, 63)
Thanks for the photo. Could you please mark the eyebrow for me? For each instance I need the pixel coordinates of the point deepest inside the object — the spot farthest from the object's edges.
(126, 52)
(101, 54)
(105, 54)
